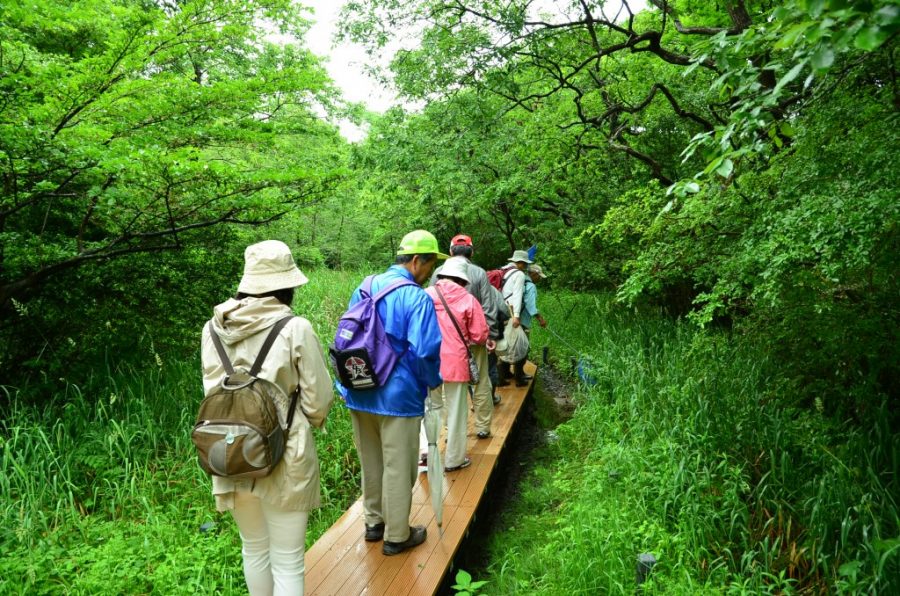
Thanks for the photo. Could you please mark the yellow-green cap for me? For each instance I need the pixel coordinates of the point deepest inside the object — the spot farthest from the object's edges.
(420, 242)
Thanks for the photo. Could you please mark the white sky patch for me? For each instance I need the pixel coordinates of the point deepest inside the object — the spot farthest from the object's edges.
(346, 62)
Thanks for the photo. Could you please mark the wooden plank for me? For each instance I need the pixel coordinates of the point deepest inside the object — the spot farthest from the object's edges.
(347, 522)
(479, 479)
(364, 560)
(341, 562)
(427, 567)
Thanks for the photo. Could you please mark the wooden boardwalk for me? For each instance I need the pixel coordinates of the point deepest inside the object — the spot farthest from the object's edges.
(342, 563)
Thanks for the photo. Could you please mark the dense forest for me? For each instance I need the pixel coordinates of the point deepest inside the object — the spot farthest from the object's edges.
(713, 186)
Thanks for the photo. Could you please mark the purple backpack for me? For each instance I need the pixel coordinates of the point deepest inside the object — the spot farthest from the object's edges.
(361, 354)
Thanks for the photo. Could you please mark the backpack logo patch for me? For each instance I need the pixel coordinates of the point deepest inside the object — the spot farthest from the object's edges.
(357, 368)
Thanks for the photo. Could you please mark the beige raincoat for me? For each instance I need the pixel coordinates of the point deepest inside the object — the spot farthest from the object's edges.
(296, 358)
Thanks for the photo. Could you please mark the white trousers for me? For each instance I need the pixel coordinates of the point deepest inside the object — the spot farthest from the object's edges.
(274, 544)
(455, 399)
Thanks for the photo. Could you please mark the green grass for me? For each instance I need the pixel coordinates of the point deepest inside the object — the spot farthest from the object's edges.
(100, 492)
(689, 446)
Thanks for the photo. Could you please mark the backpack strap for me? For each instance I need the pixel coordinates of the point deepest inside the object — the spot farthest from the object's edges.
(229, 368)
(392, 287)
(267, 345)
(263, 352)
(453, 320)
(365, 288)
(260, 358)
(509, 272)
(387, 290)
(257, 366)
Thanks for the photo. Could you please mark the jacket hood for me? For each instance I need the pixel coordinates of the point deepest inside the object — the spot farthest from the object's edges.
(236, 320)
(452, 291)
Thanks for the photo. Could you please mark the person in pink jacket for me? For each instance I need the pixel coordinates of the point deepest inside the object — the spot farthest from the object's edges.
(450, 290)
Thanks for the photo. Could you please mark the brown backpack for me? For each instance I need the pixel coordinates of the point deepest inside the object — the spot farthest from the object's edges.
(238, 433)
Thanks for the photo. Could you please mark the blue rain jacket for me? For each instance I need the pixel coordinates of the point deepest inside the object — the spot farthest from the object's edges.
(411, 324)
(529, 304)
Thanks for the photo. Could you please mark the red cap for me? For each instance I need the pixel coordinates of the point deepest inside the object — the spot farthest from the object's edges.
(461, 240)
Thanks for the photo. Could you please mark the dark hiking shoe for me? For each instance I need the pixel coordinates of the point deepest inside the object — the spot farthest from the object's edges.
(375, 533)
(496, 399)
(483, 434)
(417, 536)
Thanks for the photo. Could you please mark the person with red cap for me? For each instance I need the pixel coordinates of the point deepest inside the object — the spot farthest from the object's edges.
(482, 399)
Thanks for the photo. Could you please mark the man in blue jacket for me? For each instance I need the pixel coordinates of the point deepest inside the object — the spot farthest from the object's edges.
(386, 420)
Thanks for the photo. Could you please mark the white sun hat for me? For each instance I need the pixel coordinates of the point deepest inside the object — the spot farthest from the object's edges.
(455, 267)
(269, 266)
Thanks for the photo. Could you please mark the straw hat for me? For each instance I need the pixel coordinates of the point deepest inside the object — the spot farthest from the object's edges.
(520, 256)
(455, 267)
(269, 266)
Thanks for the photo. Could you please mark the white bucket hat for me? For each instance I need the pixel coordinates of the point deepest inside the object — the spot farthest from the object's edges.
(520, 256)
(455, 267)
(269, 266)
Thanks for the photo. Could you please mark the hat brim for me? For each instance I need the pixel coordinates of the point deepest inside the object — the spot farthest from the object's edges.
(270, 282)
(453, 276)
(515, 260)
(440, 255)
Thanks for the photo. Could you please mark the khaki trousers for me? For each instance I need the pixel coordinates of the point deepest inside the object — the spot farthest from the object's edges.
(388, 454)
(482, 400)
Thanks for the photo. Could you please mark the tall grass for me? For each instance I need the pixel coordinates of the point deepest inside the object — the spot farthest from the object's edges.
(686, 445)
(100, 492)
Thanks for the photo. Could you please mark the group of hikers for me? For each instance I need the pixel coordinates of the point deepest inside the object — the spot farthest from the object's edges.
(441, 339)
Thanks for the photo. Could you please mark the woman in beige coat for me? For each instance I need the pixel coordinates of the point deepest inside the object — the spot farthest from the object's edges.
(272, 512)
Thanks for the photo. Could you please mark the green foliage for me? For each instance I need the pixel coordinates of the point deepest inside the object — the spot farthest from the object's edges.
(127, 126)
(684, 445)
(768, 119)
(736, 162)
(617, 241)
(135, 137)
(768, 68)
(100, 490)
(464, 585)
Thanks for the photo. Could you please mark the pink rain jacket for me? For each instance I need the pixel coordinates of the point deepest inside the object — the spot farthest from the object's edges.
(470, 318)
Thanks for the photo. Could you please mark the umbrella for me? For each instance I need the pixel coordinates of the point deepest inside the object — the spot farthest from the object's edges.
(435, 472)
